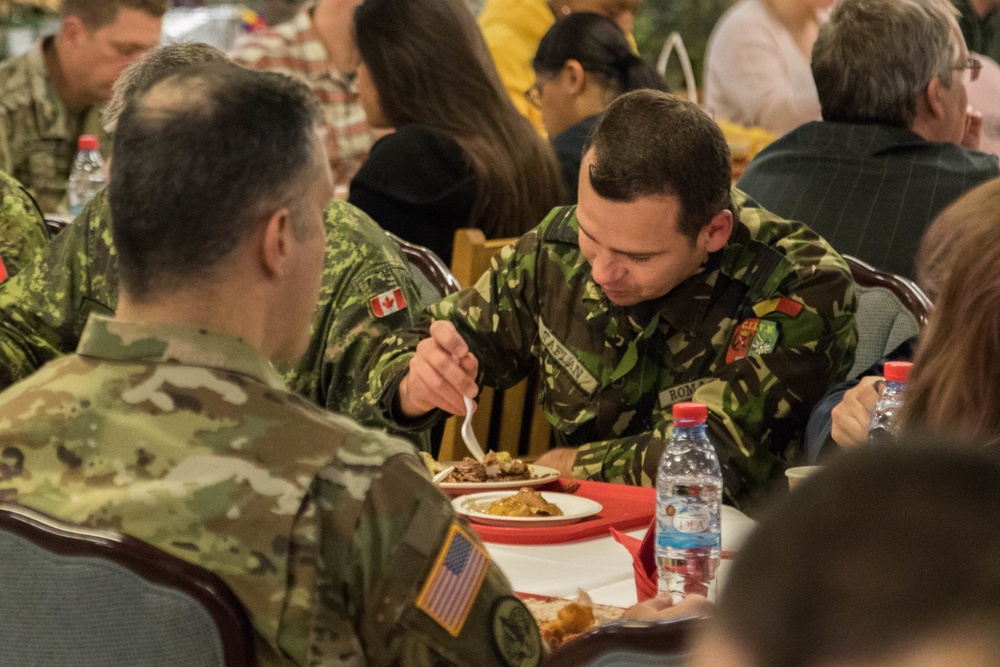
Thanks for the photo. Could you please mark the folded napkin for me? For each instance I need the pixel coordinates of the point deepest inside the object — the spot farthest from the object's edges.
(643, 560)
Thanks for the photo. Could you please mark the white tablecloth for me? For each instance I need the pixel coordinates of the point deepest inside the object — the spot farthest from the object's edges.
(600, 566)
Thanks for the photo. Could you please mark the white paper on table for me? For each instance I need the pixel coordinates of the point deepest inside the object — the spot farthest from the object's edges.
(600, 566)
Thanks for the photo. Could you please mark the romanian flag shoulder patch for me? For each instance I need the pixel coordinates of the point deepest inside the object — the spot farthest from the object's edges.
(454, 581)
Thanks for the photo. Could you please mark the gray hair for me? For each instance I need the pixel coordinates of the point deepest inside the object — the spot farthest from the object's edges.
(157, 63)
(874, 58)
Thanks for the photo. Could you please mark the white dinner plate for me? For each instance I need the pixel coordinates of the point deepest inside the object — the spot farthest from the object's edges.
(542, 475)
(574, 508)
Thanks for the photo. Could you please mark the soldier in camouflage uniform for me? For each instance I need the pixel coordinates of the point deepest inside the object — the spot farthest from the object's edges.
(22, 227)
(637, 299)
(170, 424)
(43, 311)
(50, 95)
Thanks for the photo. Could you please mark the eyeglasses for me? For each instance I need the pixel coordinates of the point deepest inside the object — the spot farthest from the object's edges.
(534, 96)
(974, 65)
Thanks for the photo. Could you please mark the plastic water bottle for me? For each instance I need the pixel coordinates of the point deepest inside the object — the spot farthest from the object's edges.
(87, 178)
(882, 429)
(688, 493)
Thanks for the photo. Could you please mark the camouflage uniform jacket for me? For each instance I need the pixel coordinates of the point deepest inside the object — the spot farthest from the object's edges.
(22, 227)
(186, 439)
(38, 138)
(44, 309)
(610, 374)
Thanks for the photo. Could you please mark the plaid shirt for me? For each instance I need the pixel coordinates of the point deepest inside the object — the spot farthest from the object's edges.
(293, 48)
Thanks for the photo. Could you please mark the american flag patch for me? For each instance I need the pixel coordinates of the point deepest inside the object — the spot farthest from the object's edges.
(454, 581)
(388, 303)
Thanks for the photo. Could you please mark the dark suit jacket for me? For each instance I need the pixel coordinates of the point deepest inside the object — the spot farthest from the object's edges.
(870, 190)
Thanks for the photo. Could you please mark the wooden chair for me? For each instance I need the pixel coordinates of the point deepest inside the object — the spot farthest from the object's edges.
(71, 595)
(634, 643)
(510, 420)
(891, 309)
(429, 272)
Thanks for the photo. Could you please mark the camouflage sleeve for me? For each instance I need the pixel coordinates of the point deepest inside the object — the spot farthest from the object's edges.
(358, 308)
(22, 226)
(44, 308)
(758, 405)
(497, 317)
(416, 581)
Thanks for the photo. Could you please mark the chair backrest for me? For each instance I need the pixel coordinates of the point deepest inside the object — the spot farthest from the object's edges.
(57, 223)
(509, 420)
(71, 595)
(633, 643)
(432, 277)
(891, 309)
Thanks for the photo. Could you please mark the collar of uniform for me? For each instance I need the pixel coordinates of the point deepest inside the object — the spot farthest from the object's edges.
(50, 118)
(106, 338)
(684, 307)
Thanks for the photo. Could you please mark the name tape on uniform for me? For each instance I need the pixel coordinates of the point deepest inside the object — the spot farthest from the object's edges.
(680, 393)
(566, 359)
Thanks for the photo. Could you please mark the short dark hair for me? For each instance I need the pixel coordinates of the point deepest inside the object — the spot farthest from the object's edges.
(883, 548)
(601, 48)
(650, 143)
(199, 156)
(98, 13)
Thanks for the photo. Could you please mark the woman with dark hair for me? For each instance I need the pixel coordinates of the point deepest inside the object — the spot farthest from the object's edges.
(955, 386)
(460, 155)
(583, 63)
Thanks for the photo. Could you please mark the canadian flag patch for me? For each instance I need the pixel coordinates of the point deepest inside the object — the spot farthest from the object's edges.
(3, 270)
(388, 303)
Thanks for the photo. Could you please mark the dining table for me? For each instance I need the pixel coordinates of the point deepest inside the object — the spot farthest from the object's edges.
(545, 564)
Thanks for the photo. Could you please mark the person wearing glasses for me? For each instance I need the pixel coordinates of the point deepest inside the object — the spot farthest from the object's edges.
(582, 64)
(513, 28)
(897, 142)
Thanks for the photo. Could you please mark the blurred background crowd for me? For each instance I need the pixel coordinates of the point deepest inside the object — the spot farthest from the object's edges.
(22, 21)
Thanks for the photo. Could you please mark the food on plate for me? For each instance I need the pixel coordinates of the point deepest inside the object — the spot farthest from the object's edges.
(524, 503)
(495, 467)
(562, 620)
(433, 467)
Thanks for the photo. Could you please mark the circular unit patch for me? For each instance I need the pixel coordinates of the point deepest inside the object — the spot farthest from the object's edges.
(515, 633)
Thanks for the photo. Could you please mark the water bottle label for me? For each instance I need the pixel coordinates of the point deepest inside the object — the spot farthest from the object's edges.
(691, 519)
(684, 525)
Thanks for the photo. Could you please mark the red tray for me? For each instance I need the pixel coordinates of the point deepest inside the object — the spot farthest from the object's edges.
(624, 507)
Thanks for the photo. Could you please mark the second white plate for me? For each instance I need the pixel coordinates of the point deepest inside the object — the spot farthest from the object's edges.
(542, 475)
(574, 509)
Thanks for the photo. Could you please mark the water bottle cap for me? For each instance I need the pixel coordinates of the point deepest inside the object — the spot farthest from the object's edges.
(88, 142)
(897, 371)
(689, 414)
